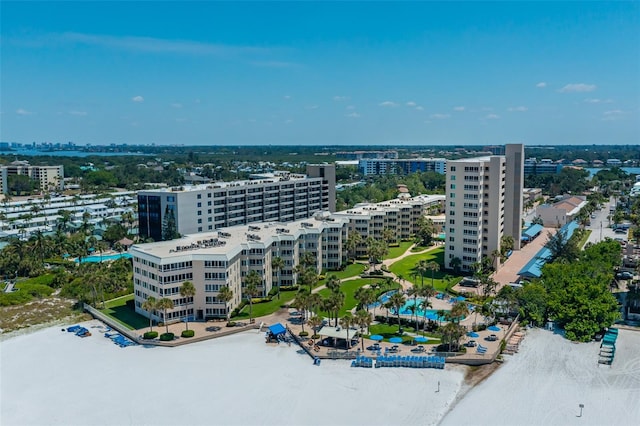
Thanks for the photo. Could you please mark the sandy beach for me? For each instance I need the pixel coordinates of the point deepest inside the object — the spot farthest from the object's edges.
(544, 383)
(56, 378)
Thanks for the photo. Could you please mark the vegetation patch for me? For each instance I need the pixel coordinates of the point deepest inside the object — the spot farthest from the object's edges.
(188, 333)
(166, 337)
(119, 310)
(150, 335)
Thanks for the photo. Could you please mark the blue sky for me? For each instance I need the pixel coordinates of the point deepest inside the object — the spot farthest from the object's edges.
(320, 73)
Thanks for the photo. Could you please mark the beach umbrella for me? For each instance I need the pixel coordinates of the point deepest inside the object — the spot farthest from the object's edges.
(421, 339)
(473, 334)
(395, 340)
(493, 328)
(376, 337)
(461, 298)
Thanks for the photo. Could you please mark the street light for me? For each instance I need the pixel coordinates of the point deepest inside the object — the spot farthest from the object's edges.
(581, 407)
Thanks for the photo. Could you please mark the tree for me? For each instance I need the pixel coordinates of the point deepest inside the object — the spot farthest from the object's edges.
(396, 301)
(315, 322)
(424, 306)
(114, 233)
(150, 305)
(169, 227)
(225, 295)
(421, 267)
(363, 319)
(164, 304)
(353, 241)
(252, 281)
(333, 283)
(456, 263)
(365, 297)
(451, 334)
(562, 247)
(433, 267)
(459, 310)
(20, 184)
(277, 264)
(347, 321)
(424, 235)
(414, 292)
(389, 236)
(188, 291)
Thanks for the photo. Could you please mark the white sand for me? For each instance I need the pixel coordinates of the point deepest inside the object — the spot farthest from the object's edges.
(546, 381)
(55, 378)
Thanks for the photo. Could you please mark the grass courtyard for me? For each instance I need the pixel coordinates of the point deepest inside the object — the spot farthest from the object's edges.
(407, 269)
(125, 315)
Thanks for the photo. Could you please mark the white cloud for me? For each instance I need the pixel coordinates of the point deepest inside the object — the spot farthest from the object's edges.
(420, 108)
(578, 87)
(22, 111)
(340, 98)
(176, 105)
(146, 44)
(541, 85)
(78, 113)
(137, 99)
(353, 115)
(286, 97)
(388, 104)
(459, 108)
(439, 116)
(612, 115)
(598, 101)
(518, 109)
(411, 104)
(492, 117)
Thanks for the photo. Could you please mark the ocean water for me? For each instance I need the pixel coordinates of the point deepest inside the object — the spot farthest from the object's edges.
(35, 152)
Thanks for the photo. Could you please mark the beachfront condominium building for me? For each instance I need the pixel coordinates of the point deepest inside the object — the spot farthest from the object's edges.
(402, 166)
(398, 215)
(283, 197)
(224, 258)
(483, 203)
(49, 178)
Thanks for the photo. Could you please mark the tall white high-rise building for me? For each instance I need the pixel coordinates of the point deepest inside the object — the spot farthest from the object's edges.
(484, 202)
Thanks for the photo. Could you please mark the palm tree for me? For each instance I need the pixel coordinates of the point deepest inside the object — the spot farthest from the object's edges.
(333, 283)
(188, 291)
(414, 310)
(458, 311)
(150, 305)
(164, 304)
(277, 263)
(397, 301)
(363, 319)
(421, 267)
(225, 295)
(451, 334)
(455, 263)
(414, 292)
(347, 321)
(315, 322)
(333, 304)
(252, 281)
(365, 297)
(433, 266)
(353, 241)
(424, 305)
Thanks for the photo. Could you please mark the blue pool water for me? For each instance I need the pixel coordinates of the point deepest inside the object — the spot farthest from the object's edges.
(106, 257)
(431, 314)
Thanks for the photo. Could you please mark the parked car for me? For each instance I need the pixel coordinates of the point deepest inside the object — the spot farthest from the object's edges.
(492, 337)
(471, 344)
(625, 275)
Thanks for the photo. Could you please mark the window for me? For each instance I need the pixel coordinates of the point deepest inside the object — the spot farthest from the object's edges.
(452, 168)
(199, 196)
(453, 186)
(199, 204)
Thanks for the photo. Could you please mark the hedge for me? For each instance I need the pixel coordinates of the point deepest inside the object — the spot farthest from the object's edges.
(188, 333)
(166, 337)
(150, 335)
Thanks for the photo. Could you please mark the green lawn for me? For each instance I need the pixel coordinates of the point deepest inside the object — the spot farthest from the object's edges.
(406, 268)
(119, 311)
(391, 330)
(585, 237)
(349, 289)
(398, 251)
(262, 309)
(352, 270)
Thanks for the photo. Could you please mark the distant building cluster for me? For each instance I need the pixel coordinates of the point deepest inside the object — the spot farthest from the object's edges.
(359, 155)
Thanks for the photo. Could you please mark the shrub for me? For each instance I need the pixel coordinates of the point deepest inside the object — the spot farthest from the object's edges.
(166, 337)
(150, 335)
(188, 333)
(289, 288)
(315, 336)
(231, 324)
(303, 334)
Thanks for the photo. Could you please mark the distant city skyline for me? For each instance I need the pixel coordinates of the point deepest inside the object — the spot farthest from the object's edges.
(356, 73)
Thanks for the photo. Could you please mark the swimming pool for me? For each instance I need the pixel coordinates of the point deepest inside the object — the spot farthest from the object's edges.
(431, 314)
(382, 299)
(106, 257)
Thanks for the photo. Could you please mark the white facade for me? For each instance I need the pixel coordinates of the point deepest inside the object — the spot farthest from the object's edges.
(203, 208)
(223, 258)
(561, 212)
